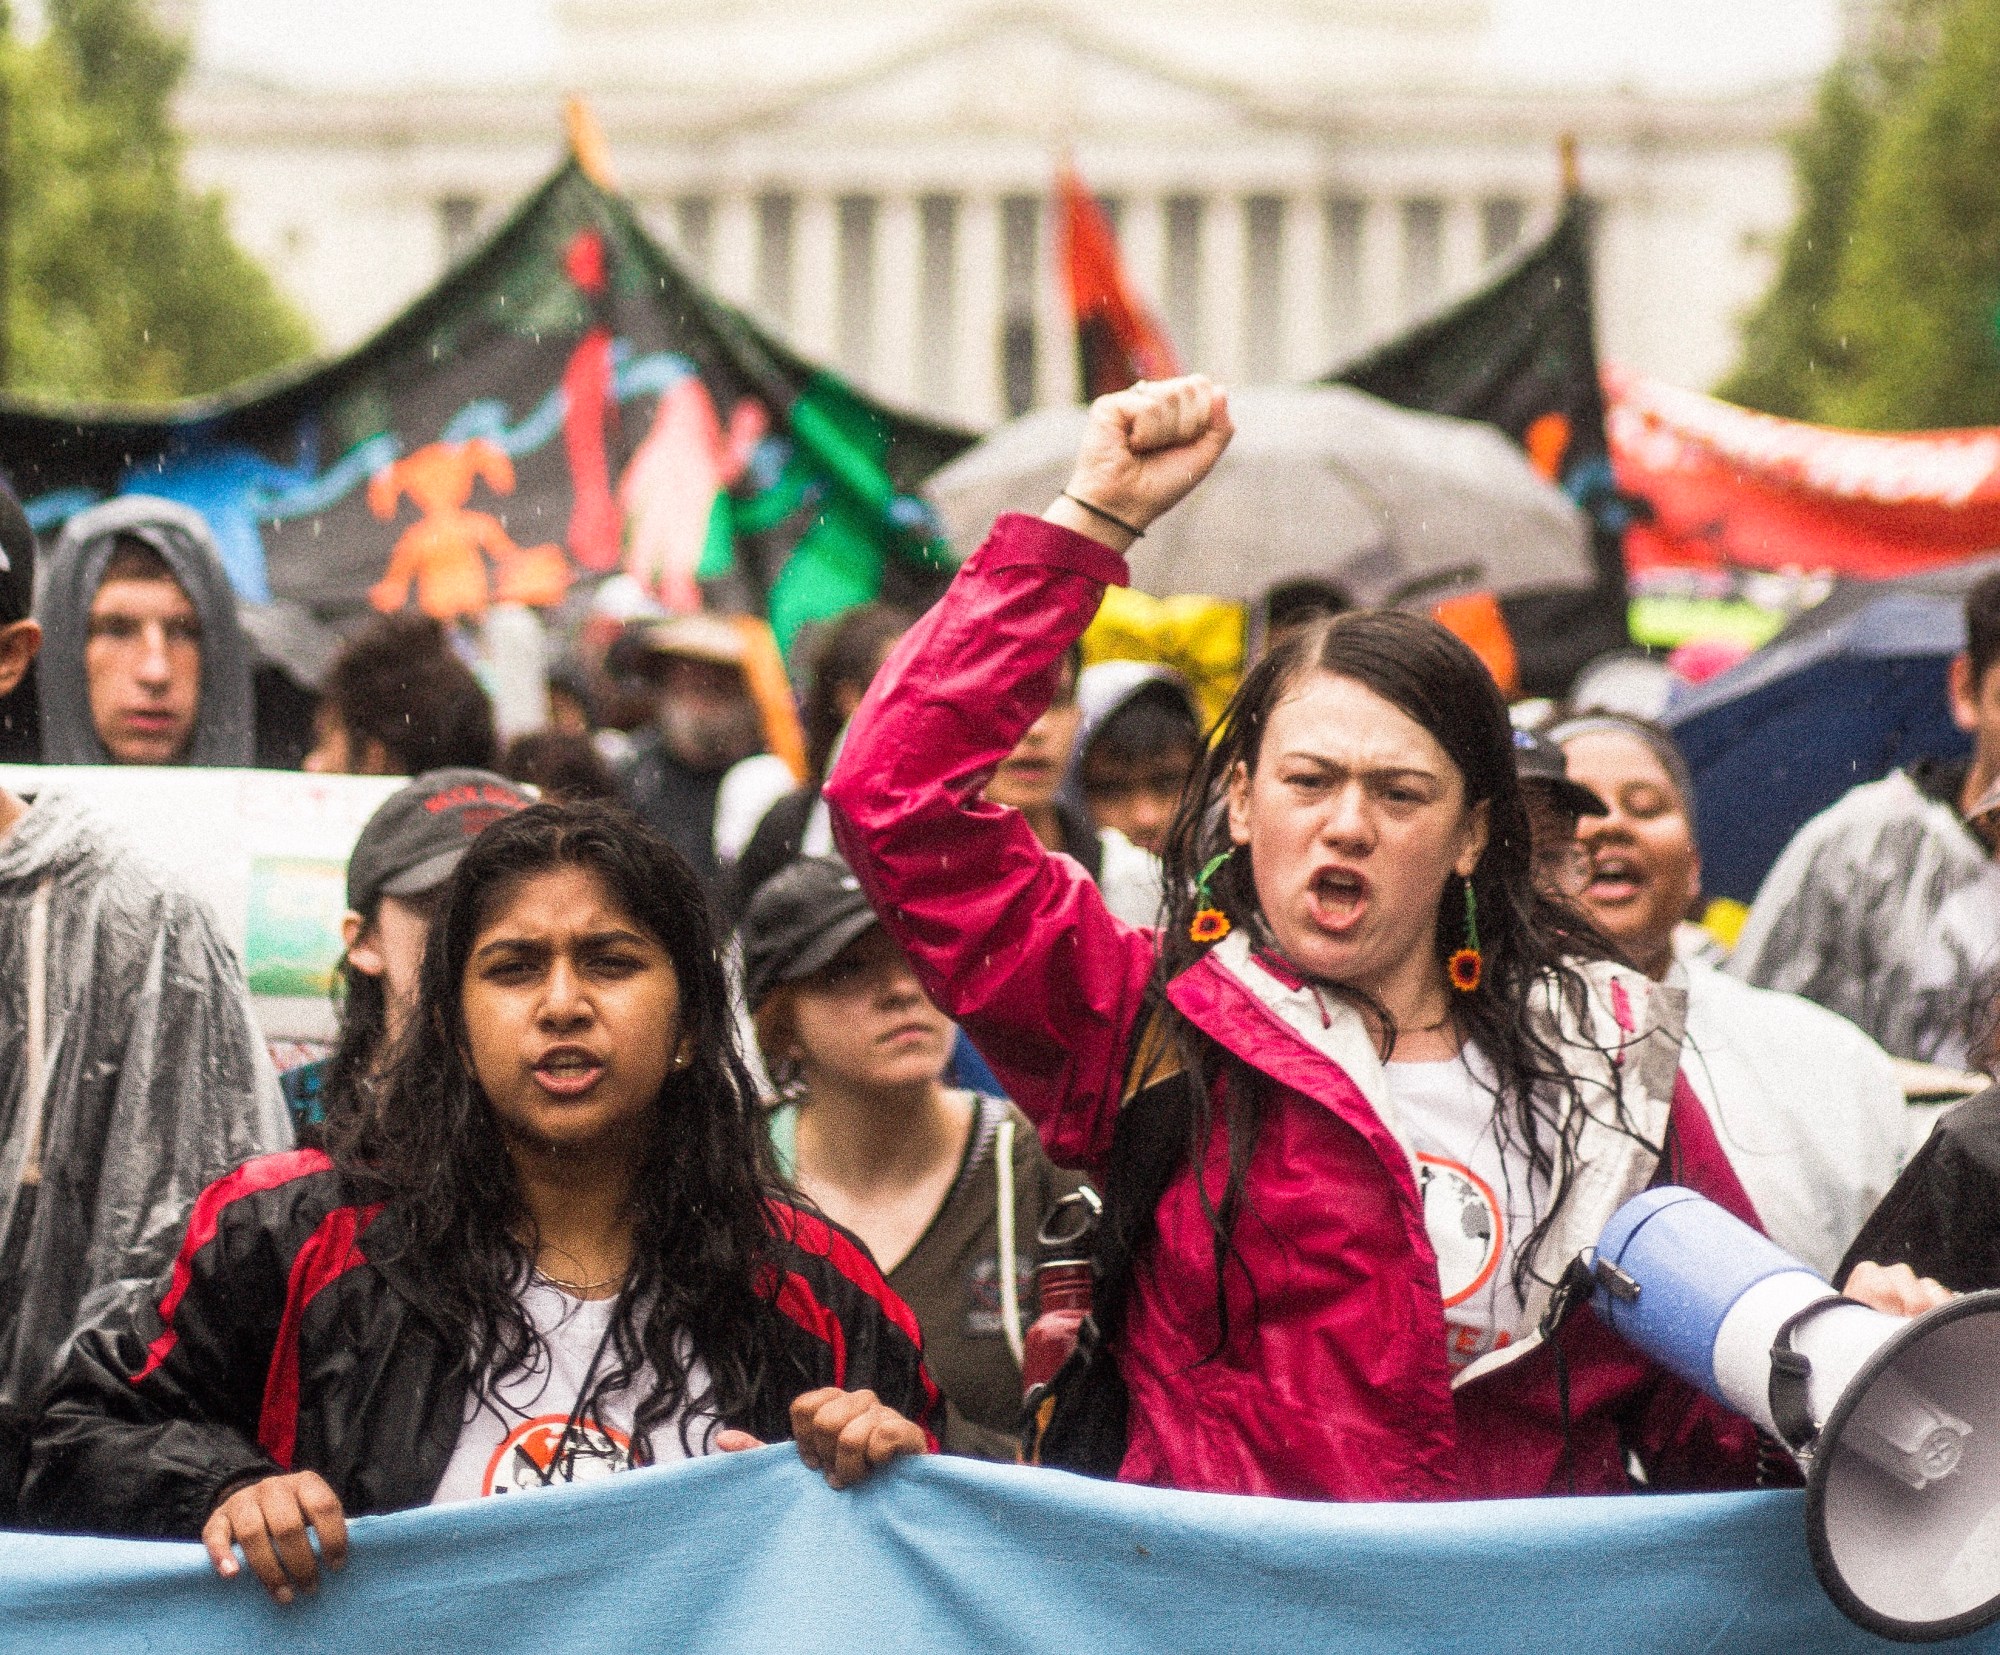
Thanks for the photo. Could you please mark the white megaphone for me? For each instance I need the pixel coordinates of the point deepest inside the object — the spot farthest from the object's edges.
(1895, 1420)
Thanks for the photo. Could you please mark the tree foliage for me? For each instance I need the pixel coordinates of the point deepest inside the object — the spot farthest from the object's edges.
(1919, 292)
(1885, 313)
(1790, 346)
(121, 283)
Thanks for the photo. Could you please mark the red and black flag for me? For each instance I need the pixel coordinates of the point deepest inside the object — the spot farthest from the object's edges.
(1521, 354)
(1118, 342)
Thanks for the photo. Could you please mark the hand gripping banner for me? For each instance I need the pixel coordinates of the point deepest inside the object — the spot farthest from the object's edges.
(752, 1552)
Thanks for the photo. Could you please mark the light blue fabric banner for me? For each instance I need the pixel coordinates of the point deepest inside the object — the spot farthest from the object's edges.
(751, 1552)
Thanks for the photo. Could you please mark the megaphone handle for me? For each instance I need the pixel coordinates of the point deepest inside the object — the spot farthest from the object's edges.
(1791, 1372)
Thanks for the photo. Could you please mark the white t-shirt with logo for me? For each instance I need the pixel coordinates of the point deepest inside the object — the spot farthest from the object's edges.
(521, 1445)
(1479, 1201)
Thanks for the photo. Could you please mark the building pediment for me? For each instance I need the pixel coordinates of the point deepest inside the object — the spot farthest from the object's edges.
(1029, 71)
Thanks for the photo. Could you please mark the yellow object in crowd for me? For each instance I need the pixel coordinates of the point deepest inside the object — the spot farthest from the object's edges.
(1202, 639)
(1723, 920)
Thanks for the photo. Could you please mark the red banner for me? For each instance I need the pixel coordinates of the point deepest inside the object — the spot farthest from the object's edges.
(1732, 488)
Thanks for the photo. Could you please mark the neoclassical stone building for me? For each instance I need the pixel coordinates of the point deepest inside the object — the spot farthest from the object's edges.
(1290, 179)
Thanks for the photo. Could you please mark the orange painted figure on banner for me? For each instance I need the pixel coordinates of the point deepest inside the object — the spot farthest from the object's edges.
(444, 552)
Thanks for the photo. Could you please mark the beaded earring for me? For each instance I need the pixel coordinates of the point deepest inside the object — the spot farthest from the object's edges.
(1465, 964)
(1211, 924)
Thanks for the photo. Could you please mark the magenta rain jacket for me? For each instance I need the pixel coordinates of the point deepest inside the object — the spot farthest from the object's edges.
(1338, 1386)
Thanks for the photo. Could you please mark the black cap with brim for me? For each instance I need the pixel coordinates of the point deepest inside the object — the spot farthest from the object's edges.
(418, 837)
(1538, 759)
(801, 919)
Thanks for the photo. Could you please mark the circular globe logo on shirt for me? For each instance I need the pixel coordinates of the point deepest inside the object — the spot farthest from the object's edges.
(1464, 1223)
(534, 1455)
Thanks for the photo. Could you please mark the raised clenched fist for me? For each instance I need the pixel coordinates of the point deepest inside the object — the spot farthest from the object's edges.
(1142, 452)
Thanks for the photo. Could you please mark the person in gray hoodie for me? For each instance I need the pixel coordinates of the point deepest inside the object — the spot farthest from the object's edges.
(144, 659)
(131, 1072)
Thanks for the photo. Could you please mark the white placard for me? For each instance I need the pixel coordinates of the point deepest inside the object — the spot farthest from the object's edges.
(267, 849)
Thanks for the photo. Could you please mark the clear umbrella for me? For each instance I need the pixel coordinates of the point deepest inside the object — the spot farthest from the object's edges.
(1322, 481)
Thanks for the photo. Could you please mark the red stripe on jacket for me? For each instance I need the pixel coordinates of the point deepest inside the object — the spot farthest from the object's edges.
(797, 1300)
(329, 1253)
(815, 1235)
(264, 1173)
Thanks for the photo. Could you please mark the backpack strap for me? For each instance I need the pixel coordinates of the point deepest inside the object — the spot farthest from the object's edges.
(1010, 1285)
(1079, 1422)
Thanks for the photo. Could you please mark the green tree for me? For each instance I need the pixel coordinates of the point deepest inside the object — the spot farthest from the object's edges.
(1794, 346)
(1790, 346)
(1919, 291)
(121, 283)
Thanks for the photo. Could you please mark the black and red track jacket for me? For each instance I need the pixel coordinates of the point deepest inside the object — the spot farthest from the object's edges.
(289, 1338)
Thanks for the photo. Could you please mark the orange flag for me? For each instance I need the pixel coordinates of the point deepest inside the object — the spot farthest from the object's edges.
(1118, 342)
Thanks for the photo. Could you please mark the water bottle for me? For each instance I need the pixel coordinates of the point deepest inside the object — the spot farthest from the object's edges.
(1063, 1251)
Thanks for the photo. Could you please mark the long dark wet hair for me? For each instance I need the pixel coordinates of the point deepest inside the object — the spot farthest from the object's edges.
(361, 1002)
(701, 1240)
(1529, 944)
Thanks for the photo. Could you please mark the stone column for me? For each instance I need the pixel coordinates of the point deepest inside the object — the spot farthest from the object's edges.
(898, 281)
(1381, 268)
(1055, 334)
(1306, 351)
(1463, 252)
(976, 388)
(1142, 242)
(816, 276)
(734, 270)
(1222, 306)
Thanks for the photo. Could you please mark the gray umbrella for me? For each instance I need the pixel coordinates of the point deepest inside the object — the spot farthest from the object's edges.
(1321, 481)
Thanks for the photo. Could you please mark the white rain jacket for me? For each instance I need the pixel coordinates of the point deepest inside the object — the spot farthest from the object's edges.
(1806, 1107)
(131, 1076)
(1884, 909)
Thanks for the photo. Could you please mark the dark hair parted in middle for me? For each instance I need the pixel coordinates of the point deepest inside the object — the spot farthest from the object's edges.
(399, 683)
(1528, 943)
(431, 1144)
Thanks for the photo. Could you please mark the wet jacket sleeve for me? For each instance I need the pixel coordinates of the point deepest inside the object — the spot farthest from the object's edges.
(155, 1412)
(1010, 939)
(195, 1096)
(852, 1328)
(1942, 1217)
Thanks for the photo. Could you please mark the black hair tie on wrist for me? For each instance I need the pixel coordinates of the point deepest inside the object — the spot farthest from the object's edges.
(1099, 511)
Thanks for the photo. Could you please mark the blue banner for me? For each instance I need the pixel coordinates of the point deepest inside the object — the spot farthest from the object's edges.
(751, 1552)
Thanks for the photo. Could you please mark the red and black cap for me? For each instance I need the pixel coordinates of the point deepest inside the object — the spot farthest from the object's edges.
(417, 837)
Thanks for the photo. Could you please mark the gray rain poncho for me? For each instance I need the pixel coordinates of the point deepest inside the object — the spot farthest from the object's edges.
(71, 575)
(157, 1081)
(1884, 909)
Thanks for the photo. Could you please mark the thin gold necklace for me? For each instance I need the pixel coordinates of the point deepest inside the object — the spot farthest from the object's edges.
(580, 1289)
(576, 1289)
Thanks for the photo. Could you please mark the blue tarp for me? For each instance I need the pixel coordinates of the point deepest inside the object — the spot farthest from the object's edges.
(751, 1553)
(1846, 693)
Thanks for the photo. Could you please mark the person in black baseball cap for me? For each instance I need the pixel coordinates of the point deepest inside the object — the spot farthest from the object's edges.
(409, 848)
(869, 1126)
(20, 634)
(1555, 804)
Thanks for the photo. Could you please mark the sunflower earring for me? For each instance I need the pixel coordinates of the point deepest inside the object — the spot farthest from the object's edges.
(1465, 964)
(1211, 924)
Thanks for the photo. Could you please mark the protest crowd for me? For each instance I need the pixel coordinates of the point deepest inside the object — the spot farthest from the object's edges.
(679, 1105)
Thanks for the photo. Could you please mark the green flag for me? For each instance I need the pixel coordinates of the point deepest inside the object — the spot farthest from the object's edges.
(565, 406)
